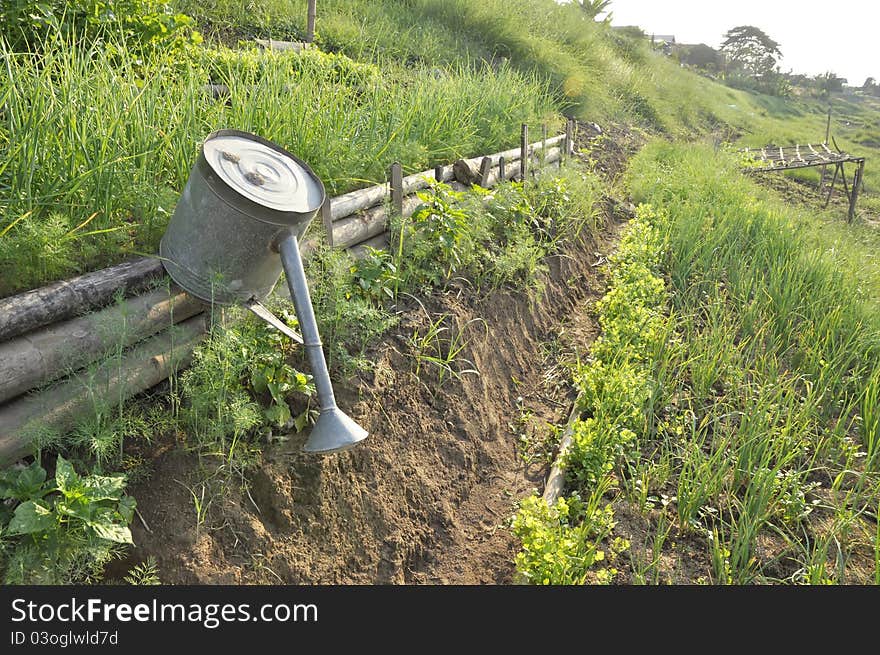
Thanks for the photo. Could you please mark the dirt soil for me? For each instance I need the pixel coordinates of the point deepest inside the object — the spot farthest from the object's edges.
(428, 497)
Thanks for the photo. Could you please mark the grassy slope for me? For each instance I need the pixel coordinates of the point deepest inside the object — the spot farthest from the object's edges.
(435, 99)
(121, 157)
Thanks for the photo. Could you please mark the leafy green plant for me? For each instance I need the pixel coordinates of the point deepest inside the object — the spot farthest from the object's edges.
(433, 347)
(441, 224)
(270, 372)
(62, 530)
(144, 26)
(375, 274)
(144, 574)
(561, 544)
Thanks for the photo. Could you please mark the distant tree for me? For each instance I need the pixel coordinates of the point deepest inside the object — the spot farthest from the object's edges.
(701, 56)
(870, 87)
(829, 83)
(593, 8)
(749, 49)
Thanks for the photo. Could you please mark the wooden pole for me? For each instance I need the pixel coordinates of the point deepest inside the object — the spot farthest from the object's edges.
(310, 26)
(31, 310)
(827, 136)
(396, 175)
(857, 181)
(60, 407)
(485, 169)
(524, 152)
(327, 219)
(543, 140)
(831, 186)
(501, 168)
(569, 137)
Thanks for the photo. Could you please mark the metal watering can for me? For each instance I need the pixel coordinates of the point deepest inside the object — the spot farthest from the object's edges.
(247, 201)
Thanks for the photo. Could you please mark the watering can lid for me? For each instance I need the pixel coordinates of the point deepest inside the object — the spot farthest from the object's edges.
(263, 172)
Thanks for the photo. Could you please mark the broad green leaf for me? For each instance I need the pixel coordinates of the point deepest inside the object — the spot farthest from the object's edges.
(112, 532)
(31, 516)
(258, 380)
(29, 484)
(66, 478)
(7, 481)
(278, 414)
(106, 525)
(126, 507)
(79, 508)
(104, 487)
(301, 421)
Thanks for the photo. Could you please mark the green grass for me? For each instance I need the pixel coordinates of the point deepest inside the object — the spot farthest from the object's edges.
(90, 177)
(750, 402)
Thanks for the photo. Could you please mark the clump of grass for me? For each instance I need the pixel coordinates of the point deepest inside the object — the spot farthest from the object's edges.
(92, 177)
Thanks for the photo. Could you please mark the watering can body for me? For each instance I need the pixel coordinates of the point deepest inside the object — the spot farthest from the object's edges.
(243, 194)
(242, 213)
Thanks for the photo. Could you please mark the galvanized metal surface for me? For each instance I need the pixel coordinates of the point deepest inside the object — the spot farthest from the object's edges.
(334, 431)
(243, 194)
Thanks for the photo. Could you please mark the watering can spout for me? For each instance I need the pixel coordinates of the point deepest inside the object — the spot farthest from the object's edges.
(334, 431)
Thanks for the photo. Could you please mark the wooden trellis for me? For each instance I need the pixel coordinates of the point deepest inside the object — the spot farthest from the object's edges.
(787, 158)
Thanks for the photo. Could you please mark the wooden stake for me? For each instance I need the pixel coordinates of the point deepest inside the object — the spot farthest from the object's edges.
(543, 140)
(524, 152)
(857, 181)
(501, 168)
(310, 27)
(485, 168)
(827, 136)
(396, 175)
(327, 219)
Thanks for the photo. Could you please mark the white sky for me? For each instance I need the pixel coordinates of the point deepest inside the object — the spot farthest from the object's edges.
(849, 30)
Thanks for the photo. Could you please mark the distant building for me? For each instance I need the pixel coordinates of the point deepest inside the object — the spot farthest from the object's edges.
(664, 42)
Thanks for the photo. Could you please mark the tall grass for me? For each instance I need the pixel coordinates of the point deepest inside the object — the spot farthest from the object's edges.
(776, 376)
(98, 147)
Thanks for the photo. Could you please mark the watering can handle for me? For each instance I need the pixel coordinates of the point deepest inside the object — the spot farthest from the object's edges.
(262, 311)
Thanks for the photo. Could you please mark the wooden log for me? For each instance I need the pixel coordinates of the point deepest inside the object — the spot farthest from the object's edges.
(51, 352)
(352, 230)
(353, 201)
(556, 479)
(327, 220)
(495, 176)
(552, 155)
(60, 407)
(419, 181)
(364, 225)
(360, 199)
(465, 172)
(31, 310)
(282, 46)
(359, 251)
